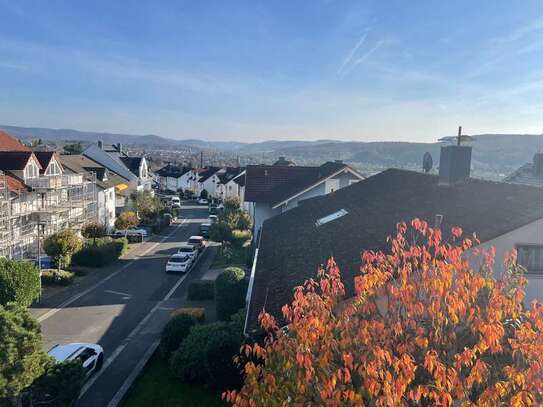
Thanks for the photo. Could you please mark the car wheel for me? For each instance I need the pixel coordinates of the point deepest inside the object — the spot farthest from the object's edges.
(100, 362)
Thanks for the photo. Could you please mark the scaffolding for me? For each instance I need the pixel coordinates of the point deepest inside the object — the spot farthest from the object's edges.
(51, 202)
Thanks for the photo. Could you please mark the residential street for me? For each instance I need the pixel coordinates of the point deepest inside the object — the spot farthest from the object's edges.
(126, 312)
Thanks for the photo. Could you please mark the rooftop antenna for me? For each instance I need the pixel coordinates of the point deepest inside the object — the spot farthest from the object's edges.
(201, 159)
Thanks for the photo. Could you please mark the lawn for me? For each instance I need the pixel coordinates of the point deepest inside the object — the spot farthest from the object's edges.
(232, 257)
(157, 388)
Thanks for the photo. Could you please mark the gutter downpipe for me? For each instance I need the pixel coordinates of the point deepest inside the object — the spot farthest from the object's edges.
(251, 282)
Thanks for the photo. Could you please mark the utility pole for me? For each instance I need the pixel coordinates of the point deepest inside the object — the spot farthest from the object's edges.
(201, 159)
(459, 135)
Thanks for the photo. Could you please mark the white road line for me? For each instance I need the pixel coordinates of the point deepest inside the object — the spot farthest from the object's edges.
(136, 330)
(118, 293)
(71, 300)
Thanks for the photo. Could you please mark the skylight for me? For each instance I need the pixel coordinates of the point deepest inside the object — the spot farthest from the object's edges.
(331, 217)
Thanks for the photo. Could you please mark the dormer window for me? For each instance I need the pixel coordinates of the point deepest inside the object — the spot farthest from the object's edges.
(53, 169)
(31, 170)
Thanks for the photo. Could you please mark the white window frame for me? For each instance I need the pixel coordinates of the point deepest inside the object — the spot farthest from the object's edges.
(31, 170)
(331, 185)
(532, 262)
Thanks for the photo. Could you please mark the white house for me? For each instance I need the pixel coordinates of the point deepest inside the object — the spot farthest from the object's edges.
(274, 189)
(173, 178)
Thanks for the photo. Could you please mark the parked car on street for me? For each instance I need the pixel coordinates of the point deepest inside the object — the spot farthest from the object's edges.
(202, 201)
(213, 210)
(213, 219)
(197, 241)
(179, 262)
(189, 250)
(204, 230)
(131, 232)
(91, 355)
(46, 262)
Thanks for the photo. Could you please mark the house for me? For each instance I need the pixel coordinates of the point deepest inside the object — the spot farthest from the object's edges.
(106, 183)
(208, 179)
(134, 170)
(37, 197)
(228, 187)
(294, 244)
(173, 178)
(529, 174)
(274, 189)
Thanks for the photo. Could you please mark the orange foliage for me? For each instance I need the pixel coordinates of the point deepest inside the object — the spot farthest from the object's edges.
(424, 328)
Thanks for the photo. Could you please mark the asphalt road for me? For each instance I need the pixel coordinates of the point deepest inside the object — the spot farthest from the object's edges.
(125, 313)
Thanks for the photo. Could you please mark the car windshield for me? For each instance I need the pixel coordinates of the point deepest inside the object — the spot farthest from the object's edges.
(194, 241)
(186, 249)
(178, 259)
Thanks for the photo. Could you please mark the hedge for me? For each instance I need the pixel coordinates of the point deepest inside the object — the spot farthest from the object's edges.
(175, 331)
(19, 282)
(206, 355)
(198, 313)
(201, 290)
(60, 385)
(230, 291)
(55, 277)
(105, 251)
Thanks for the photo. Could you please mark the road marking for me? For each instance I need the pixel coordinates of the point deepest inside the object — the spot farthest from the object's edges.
(136, 330)
(71, 300)
(125, 295)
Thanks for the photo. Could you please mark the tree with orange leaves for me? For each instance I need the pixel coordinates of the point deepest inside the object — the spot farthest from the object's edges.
(426, 327)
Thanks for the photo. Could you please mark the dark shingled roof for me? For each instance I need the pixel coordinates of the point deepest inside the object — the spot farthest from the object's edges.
(173, 171)
(292, 247)
(132, 163)
(206, 173)
(79, 164)
(275, 183)
(14, 160)
(44, 157)
(229, 174)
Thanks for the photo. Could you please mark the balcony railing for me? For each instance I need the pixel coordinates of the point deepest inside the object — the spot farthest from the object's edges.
(54, 181)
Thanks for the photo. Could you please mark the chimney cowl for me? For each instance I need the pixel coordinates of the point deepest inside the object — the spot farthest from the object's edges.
(454, 164)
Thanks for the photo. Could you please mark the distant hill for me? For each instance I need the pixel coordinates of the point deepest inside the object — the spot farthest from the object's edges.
(494, 155)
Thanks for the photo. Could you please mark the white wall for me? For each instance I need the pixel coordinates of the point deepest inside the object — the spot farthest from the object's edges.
(531, 233)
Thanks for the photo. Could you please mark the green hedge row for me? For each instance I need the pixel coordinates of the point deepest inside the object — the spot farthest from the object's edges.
(55, 277)
(201, 290)
(100, 253)
(230, 291)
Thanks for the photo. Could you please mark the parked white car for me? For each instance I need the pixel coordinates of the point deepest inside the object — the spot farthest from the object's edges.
(131, 232)
(179, 262)
(202, 201)
(189, 250)
(91, 355)
(213, 219)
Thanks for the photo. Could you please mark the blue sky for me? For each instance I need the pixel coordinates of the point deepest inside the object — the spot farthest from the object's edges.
(251, 70)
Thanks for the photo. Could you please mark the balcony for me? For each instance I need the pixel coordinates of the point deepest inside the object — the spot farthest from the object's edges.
(54, 181)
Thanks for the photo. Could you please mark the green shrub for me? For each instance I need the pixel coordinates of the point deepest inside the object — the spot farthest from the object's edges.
(240, 237)
(104, 251)
(198, 313)
(60, 385)
(175, 331)
(230, 291)
(60, 246)
(201, 290)
(55, 277)
(205, 356)
(219, 352)
(19, 282)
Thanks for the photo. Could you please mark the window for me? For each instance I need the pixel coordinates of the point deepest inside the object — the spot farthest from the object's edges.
(53, 169)
(331, 217)
(331, 185)
(32, 170)
(531, 257)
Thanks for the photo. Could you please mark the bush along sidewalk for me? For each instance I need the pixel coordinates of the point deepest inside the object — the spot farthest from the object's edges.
(55, 277)
(200, 290)
(230, 292)
(101, 252)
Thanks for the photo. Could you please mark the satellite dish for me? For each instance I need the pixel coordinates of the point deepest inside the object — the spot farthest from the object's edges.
(427, 162)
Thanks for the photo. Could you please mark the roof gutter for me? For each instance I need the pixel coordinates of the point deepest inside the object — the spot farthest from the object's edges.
(309, 188)
(251, 284)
